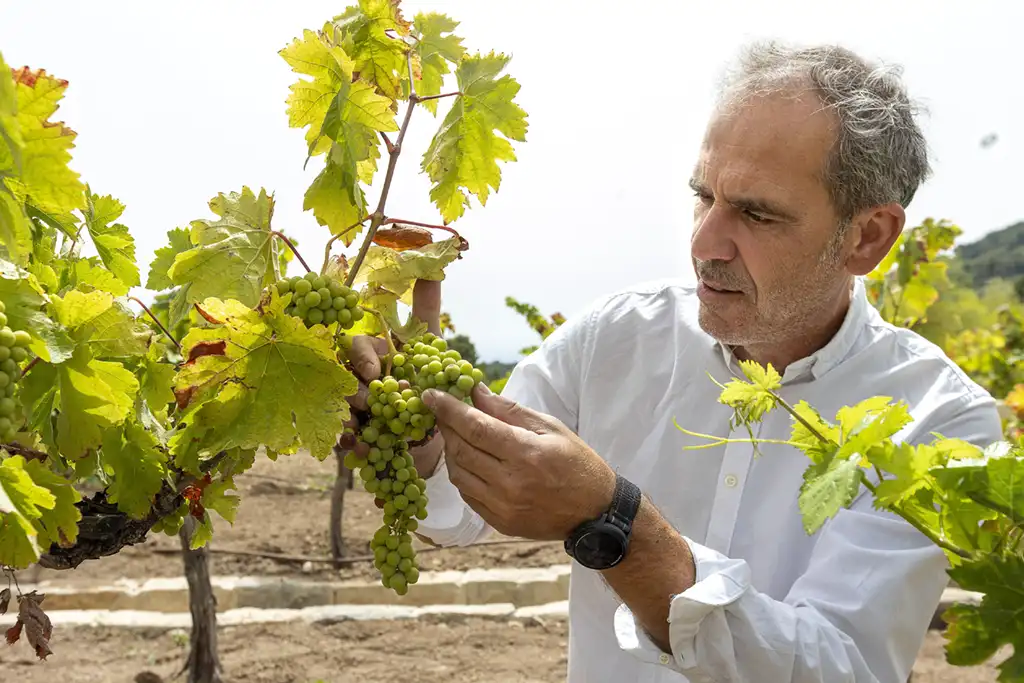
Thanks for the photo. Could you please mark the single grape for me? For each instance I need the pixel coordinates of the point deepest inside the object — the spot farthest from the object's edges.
(303, 287)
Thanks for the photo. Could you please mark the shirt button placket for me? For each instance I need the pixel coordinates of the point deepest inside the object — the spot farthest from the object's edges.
(728, 494)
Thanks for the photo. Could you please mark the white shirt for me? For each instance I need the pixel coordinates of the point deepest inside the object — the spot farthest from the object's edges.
(771, 604)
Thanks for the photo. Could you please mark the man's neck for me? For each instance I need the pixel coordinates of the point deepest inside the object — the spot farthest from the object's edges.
(782, 353)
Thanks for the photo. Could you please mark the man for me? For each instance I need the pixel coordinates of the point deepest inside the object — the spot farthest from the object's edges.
(800, 188)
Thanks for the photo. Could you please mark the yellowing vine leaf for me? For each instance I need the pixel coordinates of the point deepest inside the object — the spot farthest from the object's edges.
(11, 143)
(22, 502)
(343, 118)
(113, 241)
(232, 257)
(378, 58)
(277, 384)
(45, 181)
(463, 156)
(436, 48)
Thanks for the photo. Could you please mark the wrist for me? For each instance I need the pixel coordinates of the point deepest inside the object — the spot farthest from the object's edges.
(603, 541)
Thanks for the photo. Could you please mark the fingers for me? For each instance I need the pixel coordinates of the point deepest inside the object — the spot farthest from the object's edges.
(359, 400)
(365, 356)
(426, 303)
(510, 412)
(473, 426)
(469, 468)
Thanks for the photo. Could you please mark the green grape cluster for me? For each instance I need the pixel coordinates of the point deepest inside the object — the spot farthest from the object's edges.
(429, 363)
(399, 417)
(172, 523)
(396, 408)
(13, 354)
(317, 299)
(388, 472)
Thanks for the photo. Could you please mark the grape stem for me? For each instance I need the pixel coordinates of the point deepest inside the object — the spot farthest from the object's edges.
(330, 242)
(31, 364)
(154, 318)
(377, 217)
(387, 335)
(291, 246)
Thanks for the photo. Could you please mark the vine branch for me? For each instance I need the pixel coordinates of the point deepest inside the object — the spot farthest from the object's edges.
(434, 97)
(291, 246)
(24, 451)
(330, 242)
(154, 318)
(377, 218)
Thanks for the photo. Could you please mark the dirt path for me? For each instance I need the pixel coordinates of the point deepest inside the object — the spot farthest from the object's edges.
(459, 651)
(285, 509)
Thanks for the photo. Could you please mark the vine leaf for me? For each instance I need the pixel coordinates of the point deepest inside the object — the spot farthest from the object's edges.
(343, 117)
(231, 258)
(390, 270)
(45, 180)
(106, 327)
(827, 488)
(436, 48)
(378, 58)
(178, 240)
(24, 300)
(463, 156)
(34, 623)
(136, 467)
(402, 237)
(267, 355)
(91, 395)
(37, 509)
(753, 399)
(88, 274)
(976, 632)
(113, 241)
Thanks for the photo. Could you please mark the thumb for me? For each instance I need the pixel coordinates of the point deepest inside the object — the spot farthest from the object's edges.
(510, 412)
(426, 304)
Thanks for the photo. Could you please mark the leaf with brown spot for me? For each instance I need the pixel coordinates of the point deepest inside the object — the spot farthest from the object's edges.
(402, 237)
(183, 396)
(209, 318)
(205, 348)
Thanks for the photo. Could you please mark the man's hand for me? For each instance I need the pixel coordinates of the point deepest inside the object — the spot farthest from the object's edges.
(525, 473)
(365, 356)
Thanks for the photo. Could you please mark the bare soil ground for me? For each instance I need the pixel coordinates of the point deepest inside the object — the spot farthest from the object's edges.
(285, 509)
(459, 651)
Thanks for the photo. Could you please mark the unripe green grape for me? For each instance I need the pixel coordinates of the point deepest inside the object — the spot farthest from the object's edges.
(303, 287)
(19, 354)
(477, 375)
(3, 319)
(330, 316)
(5, 353)
(283, 287)
(10, 366)
(7, 406)
(452, 372)
(392, 543)
(318, 282)
(3, 307)
(344, 316)
(315, 316)
(357, 314)
(337, 288)
(311, 300)
(390, 386)
(466, 383)
(352, 300)
(7, 337)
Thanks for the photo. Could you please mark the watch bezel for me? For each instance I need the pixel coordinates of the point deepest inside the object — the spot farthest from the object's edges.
(602, 527)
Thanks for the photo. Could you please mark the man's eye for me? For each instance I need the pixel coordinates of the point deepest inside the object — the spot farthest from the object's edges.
(757, 218)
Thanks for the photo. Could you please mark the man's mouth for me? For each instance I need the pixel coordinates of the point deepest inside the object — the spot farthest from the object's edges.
(716, 288)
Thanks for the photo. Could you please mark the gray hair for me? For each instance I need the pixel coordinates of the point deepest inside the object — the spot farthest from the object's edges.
(880, 154)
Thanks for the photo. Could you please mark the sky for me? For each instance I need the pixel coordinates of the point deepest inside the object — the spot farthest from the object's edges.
(176, 102)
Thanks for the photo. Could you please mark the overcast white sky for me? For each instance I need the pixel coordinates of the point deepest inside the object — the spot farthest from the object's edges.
(177, 101)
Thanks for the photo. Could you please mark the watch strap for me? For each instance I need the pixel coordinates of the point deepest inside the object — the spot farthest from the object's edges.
(625, 504)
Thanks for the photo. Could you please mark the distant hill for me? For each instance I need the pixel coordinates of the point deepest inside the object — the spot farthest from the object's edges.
(997, 254)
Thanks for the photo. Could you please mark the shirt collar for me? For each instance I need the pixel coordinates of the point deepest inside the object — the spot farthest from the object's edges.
(835, 351)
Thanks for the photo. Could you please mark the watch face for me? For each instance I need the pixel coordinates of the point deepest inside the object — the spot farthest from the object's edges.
(599, 549)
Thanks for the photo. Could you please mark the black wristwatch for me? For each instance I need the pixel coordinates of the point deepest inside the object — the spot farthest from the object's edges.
(602, 543)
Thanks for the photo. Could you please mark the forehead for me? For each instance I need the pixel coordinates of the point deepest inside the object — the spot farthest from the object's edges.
(776, 144)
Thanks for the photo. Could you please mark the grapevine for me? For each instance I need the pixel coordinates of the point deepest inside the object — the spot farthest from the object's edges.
(165, 404)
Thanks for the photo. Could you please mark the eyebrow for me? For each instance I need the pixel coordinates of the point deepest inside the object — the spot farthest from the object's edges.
(754, 204)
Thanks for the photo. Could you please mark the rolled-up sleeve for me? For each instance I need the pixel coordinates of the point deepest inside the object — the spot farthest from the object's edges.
(859, 612)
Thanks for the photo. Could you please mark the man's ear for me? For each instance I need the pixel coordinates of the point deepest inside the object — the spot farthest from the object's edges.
(874, 231)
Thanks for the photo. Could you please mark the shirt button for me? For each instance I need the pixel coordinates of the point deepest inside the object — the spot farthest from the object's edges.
(730, 480)
(664, 658)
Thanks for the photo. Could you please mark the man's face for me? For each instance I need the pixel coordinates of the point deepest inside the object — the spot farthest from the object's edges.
(765, 248)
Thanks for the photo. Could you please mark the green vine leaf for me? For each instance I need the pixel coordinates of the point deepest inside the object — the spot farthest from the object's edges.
(251, 359)
(136, 467)
(24, 300)
(231, 258)
(437, 47)
(113, 241)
